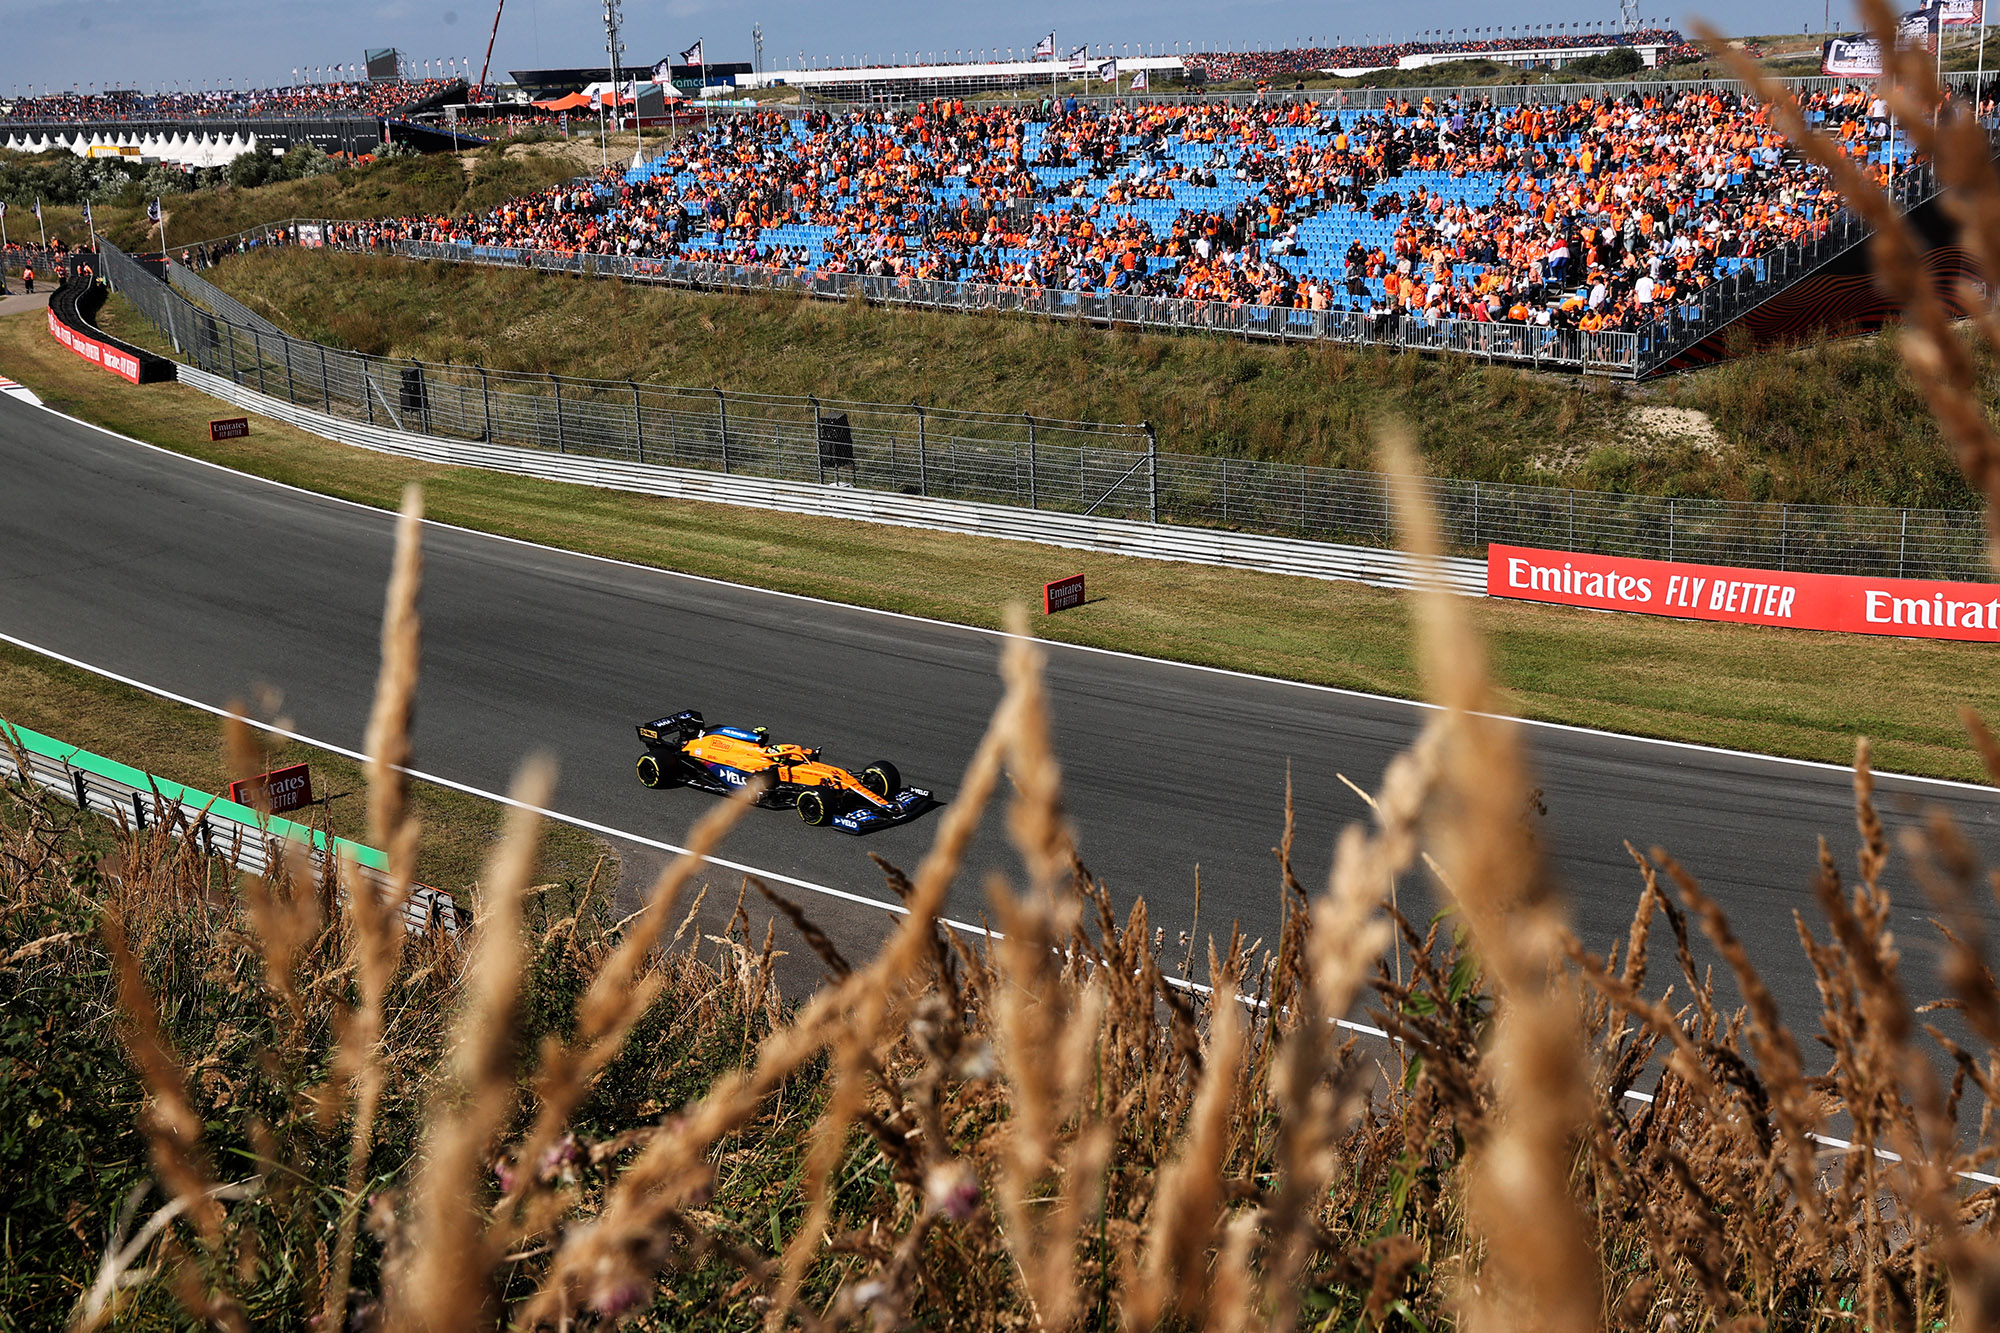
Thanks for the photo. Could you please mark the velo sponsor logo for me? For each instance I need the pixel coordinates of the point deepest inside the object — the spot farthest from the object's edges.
(1853, 604)
(1062, 594)
(284, 789)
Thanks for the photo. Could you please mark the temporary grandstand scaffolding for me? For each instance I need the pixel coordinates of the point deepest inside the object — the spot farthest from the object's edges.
(1098, 468)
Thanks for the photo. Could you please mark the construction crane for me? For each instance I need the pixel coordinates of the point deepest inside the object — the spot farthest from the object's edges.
(489, 44)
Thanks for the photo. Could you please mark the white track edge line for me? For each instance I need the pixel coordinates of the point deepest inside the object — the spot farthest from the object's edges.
(1337, 690)
(1179, 983)
(557, 816)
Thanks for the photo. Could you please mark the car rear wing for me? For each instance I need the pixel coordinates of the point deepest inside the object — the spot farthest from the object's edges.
(675, 729)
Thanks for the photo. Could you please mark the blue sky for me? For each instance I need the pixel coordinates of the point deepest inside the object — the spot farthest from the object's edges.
(206, 42)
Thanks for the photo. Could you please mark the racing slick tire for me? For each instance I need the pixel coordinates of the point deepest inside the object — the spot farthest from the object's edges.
(882, 779)
(653, 773)
(814, 808)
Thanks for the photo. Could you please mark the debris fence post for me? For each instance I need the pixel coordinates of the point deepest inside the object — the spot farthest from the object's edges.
(819, 456)
(562, 443)
(1152, 471)
(1031, 460)
(722, 426)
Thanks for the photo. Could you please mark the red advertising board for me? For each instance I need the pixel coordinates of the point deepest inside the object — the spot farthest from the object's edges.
(1853, 604)
(229, 428)
(1062, 594)
(119, 363)
(284, 788)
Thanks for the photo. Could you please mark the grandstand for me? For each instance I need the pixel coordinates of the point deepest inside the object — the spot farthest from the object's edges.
(1614, 212)
(395, 97)
(207, 129)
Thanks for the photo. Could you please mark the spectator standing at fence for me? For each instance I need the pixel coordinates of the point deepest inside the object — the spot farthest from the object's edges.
(28, 279)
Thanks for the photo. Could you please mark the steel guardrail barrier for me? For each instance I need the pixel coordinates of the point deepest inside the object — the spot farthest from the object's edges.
(1042, 467)
(252, 842)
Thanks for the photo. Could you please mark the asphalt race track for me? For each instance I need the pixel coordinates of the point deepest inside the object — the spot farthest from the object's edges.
(206, 583)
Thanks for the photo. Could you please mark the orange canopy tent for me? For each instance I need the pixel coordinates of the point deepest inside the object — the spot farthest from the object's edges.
(573, 102)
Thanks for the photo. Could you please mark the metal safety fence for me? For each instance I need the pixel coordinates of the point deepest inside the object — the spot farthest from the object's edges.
(1099, 469)
(252, 842)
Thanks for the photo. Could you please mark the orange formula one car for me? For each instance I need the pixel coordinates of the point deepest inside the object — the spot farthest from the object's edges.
(682, 750)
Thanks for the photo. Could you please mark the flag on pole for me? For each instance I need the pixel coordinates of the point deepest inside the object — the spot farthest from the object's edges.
(38, 210)
(87, 220)
(153, 211)
(692, 56)
(1046, 48)
(1108, 71)
(1078, 60)
(1139, 82)
(3, 208)
(663, 72)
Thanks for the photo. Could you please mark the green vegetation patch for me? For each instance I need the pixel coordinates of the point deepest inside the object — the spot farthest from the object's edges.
(1841, 423)
(186, 745)
(1300, 403)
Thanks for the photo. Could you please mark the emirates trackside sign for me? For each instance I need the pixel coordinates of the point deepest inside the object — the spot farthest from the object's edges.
(1853, 604)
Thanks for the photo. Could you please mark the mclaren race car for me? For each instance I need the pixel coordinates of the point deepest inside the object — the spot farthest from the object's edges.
(682, 750)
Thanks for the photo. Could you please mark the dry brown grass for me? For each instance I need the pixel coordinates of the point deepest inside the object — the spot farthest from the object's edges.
(1040, 1129)
(1058, 1136)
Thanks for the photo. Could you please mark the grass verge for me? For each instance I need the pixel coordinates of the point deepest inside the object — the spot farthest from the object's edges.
(186, 745)
(1776, 691)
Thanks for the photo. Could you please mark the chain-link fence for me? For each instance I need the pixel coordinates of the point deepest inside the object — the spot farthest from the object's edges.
(1080, 467)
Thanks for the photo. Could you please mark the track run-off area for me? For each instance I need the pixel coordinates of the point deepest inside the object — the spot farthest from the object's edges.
(204, 584)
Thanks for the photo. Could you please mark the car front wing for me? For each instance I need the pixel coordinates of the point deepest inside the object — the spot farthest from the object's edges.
(907, 804)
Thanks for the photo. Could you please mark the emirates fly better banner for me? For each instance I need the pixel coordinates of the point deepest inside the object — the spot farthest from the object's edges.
(1912, 608)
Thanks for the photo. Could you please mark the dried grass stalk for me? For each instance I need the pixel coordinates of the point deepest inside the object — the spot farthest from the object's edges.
(376, 939)
(1544, 1276)
(445, 1283)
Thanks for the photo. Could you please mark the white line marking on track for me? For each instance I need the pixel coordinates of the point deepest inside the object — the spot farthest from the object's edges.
(1336, 690)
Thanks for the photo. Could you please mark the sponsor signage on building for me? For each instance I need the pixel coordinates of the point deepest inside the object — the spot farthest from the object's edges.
(122, 364)
(1853, 604)
(229, 428)
(1062, 594)
(278, 791)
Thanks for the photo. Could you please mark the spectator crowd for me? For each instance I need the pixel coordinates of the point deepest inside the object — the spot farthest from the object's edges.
(1597, 213)
(384, 98)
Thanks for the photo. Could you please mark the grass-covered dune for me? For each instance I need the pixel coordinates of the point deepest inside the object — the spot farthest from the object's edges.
(1835, 423)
